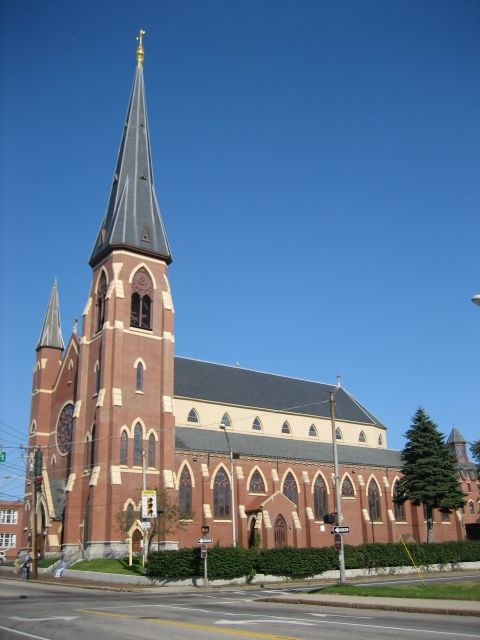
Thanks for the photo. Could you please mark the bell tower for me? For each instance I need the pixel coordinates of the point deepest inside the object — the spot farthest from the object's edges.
(123, 419)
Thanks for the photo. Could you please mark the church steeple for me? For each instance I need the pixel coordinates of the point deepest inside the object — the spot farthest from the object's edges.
(133, 220)
(51, 335)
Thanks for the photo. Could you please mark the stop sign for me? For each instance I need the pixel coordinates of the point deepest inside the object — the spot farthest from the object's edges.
(337, 541)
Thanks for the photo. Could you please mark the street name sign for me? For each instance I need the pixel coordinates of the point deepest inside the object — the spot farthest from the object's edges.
(205, 540)
(340, 530)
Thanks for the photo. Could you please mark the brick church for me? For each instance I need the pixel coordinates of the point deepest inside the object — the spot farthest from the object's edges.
(249, 454)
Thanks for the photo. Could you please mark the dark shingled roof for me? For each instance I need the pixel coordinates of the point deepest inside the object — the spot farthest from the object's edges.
(196, 439)
(197, 380)
(133, 219)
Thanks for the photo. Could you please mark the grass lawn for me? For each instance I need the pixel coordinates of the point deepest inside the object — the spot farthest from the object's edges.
(108, 565)
(468, 590)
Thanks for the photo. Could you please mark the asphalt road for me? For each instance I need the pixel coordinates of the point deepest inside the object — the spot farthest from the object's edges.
(42, 611)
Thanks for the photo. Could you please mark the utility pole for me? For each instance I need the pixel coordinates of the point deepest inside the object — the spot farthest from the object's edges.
(232, 488)
(145, 530)
(338, 506)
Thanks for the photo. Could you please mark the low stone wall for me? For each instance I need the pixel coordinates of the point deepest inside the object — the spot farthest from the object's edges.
(260, 579)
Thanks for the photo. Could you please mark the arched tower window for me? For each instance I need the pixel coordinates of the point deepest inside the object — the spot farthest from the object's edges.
(290, 488)
(151, 450)
(362, 437)
(93, 446)
(374, 501)
(338, 434)
(380, 440)
(280, 531)
(319, 498)
(97, 377)
(257, 484)
(313, 431)
(221, 495)
(123, 448)
(137, 444)
(398, 507)
(139, 378)
(141, 307)
(101, 297)
(185, 494)
(347, 488)
(285, 427)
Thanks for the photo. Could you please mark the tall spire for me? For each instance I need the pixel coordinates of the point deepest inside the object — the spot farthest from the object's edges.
(133, 220)
(51, 335)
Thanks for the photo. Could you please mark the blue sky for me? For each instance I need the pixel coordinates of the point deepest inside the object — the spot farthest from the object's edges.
(317, 167)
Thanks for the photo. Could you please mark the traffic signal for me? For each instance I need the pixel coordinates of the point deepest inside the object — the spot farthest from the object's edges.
(330, 518)
(205, 529)
(149, 504)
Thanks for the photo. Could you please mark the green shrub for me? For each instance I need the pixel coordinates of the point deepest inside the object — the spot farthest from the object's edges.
(296, 563)
(234, 562)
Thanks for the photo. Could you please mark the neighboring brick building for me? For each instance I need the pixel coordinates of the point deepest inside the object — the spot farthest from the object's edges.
(115, 411)
(11, 522)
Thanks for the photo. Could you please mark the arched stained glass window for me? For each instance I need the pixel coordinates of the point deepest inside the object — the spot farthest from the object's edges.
(141, 307)
(129, 516)
(124, 448)
(347, 488)
(280, 531)
(313, 431)
(192, 416)
(101, 297)
(290, 488)
(320, 498)
(221, 495)
(185, 494)
(257, 484)
(256, 424)
(226, 421)
(285, 427)
(398, 507)
(137, 444)
(374, 501)
(139, 378)
(362, 437)
(151, 450)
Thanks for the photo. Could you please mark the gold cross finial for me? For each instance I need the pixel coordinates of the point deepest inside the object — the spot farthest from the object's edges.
(140, 53)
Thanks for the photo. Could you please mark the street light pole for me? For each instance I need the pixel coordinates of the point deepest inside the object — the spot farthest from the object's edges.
(338, 506)
(232, 487)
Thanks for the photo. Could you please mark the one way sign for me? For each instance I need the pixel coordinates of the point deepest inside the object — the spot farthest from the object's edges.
(341, 530)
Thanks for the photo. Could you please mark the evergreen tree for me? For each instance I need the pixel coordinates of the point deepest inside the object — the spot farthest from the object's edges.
(429, 470)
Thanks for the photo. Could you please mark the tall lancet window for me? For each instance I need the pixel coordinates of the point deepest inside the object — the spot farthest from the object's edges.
(101, 297)
(142, 292)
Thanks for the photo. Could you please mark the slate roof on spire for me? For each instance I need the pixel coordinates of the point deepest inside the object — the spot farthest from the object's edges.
(456, 437)
(51, 335)
(133, 220)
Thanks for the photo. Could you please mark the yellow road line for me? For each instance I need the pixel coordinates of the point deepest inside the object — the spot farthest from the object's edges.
(190, 625)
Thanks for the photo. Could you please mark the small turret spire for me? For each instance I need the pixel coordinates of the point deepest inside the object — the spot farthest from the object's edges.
(51, 335)
(140, 52)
